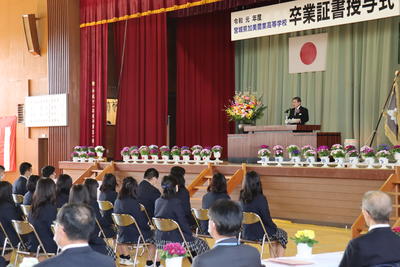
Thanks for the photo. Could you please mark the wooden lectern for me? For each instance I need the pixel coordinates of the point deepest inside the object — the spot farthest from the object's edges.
(244, 147)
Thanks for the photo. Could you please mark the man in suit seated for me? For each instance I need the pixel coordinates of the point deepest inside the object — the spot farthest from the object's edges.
(224, 225)
(74, 224)
(380, 245)
(148, 192)
(297, 114)
(19, 186)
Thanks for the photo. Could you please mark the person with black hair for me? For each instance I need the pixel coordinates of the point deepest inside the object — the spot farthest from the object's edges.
(2, 172)
(168, 206)
(108, 193)
(216, 190)
(43, 213)
(74, 224)
(79, 194)
(92, 185)
(183, 194)
(253, 200)
(127, 203)
(63, 186)
(147, 190)
(31, 186)
(19, 186)
(298, 114)
(224, 226)
(49, 172)
(8, 212)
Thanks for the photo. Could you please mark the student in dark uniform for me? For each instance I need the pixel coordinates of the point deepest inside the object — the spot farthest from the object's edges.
(127, 203)
(43, 213)
(253, 200)
(49, 172)
(19, 186)
(168, 206)
(31, 186)
(108, 193)
(63, 186)
(298, 112)
(147, 192)
(216, 190)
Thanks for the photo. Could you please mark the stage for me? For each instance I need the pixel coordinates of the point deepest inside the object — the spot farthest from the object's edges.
(325, 196)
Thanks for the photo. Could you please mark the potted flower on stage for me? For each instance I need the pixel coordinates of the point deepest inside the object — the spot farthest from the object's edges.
(205, 154)
(310, 156)
(294, 154)
(125, 153)
(196, 155)
(368, 155)
(217, 150)
(77, 149)
(144, 152)
(305, 240)
(176, 154)
(99, 151)
(383, 158)
(336, 146)
(350, 148)
(323, 153)
(173, 254)
(91, 149)
(339, 155)
(84, 149)
(264, 154)
(195, 147)
(245, 109)
(278, 154)
(353, 158)
(134, 153)
(185, 153)
(75, 156)
(91, 156)
(165, 151)
(83, 156)
(305, 148)
(396, 152)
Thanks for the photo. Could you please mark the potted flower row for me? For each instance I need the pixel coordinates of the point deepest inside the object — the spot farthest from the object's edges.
(90, 153)
(83, 156)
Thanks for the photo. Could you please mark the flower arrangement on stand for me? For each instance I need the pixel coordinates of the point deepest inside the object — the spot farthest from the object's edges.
(396, 152)
(75, 156)
(153, 150)
(91, 149)
(294, 154)
(368, 155)
(185, 153)
(350, 148)
(383, 158)
(196, 155)
(264, 154)
(353, 157)
(91, 156)
(125, 153)
(99, 151)
(323, 153)
(165, 152)
(134, 153)
(205, 155)
(339, 155)
(83, 149)
(278, 154)
(196, 147)
(144, 152)
(336, 146)
(217, 150)
(310, 155)
(245, 108)
(176, 153)
(305, 240)
(305, 148)
(173, 254)
(83, 156)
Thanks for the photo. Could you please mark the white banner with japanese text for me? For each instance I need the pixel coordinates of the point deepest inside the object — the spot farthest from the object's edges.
(307, 14)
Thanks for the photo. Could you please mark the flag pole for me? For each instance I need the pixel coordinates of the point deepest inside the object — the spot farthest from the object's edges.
(384, 106)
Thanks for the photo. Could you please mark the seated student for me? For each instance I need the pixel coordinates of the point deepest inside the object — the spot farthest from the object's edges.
(183, 194)
(19, 186)
(8, 212)
(92, 185)
(63, 186)
(108, 193)
(216, 190)
(31, 186)
(168, 206)
(127, 203)
(147, 192)
(79, 195)
(253, 200)
(2, 172)
(380, 246)
(74, 224)
(3, 262)
(43, 213)
(224, 225)
(49, 172)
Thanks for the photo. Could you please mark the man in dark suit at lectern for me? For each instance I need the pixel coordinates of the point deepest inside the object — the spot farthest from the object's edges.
(297, 114)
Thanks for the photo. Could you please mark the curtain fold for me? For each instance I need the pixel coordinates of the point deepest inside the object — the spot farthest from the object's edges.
(347, 97)
(205, 79)
(93, 93)
(143, 91)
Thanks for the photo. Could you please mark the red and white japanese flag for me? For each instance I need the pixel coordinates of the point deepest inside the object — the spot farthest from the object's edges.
(8, 128)
(308, 53)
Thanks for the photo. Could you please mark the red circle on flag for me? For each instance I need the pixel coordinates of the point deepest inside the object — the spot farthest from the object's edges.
(308, 53)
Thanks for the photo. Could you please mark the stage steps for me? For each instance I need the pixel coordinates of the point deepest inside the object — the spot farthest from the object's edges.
(95, 172)
(391, 187)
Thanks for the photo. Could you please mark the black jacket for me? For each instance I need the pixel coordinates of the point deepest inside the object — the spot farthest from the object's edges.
(8, 212)
(19, 186)
(147, 195)
(61, 199)
(110, 196)
(302, 114)
(380, 245)
(184, 196)
(206, 202)
(28, 198)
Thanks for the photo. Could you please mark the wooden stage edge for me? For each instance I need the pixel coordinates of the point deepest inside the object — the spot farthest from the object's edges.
(324, 196)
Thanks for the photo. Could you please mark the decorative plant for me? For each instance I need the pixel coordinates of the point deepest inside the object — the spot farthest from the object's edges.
(310, 153)
(396, 149)
(383, 147)
(245, 108)
(165, 150)
(175, 151)
(367, 152)
(91, 149)
(75, 154)
(185, 152)
(125, 151)
(134, 152)
(216, 149)
(83, 149)
(196, 152)
(91, 154)
(278, 150)
(323, 151)
(144, 150)
(185, 148)
(350, 148)
(205, 152)
(305, 148)
(336, 146)
(352, 153)
(77, 148)
(83, 155)
(338, 153)
(293, 150)
(172, 250)
(264, 152)
(306, 237)
(383, 154)
(196, 147)
(133, 148)
(99, 149)
(153, 151)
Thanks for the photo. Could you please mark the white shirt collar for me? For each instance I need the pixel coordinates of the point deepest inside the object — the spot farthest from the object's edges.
(379, 225)
(222, 239)
(78, 245)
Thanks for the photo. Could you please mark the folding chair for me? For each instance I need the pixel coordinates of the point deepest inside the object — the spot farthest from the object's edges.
(252, 218)
(200, 215)
(143, 209)
(24, 228)
(25, 210)
(123, 220)
(18, 199)
(7, 241)
(167, 225)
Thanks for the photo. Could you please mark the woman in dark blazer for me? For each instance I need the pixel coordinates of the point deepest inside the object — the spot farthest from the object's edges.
(108, 193)
(8, 212)
(63, 186)
(127, 203)
(168, 206)
(42, 215)
(253, 200)
(183, 194)
(216, 190)
(31, 187)
(79, 194)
